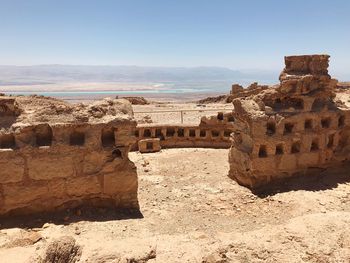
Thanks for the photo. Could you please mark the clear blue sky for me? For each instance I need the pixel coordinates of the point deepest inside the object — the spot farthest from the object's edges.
(236, 34)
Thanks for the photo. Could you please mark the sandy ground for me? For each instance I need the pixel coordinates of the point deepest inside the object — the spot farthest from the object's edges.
(192, 212)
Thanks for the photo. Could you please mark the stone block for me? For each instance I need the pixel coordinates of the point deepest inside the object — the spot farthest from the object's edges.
(45, 166)
(11, 167)
(149, 145)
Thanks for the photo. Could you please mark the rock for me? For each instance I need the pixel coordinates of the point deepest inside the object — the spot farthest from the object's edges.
(23, 238)
(62, 250)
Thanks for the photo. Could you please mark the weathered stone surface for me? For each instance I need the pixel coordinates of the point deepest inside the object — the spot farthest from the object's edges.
(289, 128)
(53, 155)
(11, 172)
(62, 250)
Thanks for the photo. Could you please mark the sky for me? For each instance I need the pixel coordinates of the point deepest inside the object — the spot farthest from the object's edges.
(236, 34)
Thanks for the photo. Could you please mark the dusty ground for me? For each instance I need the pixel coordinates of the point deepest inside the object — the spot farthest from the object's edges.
(192, 212)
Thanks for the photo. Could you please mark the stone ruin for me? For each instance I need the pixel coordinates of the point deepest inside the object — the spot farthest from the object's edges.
(290, 129)
(54, 155)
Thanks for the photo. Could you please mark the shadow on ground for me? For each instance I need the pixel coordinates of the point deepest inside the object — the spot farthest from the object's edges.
(69, 216)
(314, 180)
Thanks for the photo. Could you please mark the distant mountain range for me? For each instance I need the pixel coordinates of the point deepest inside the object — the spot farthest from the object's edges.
(53, 74)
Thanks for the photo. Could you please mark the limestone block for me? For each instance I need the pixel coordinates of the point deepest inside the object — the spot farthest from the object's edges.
(120, 182)
(11, 167)
(22, 194)
(265, 165)
(93, 162)
(287, 162)
(309, 159)
(83, 186)
(45, 166)
(149, 145)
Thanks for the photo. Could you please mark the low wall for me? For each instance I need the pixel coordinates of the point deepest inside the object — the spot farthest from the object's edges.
(185, 136)
(212, 132)
(52, 167)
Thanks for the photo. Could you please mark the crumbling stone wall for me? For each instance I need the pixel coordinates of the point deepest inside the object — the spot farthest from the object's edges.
(212, 132)
(292, 128)
(54, 155)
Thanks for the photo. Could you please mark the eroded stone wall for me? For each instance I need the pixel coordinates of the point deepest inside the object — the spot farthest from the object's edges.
(212, 132)
(55, 156)
(292, 128)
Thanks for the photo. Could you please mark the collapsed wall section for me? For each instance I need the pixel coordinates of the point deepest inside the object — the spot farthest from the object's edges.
(290, 129)
(55, 156)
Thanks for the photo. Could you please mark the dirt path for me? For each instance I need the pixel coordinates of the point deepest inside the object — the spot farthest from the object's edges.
(192, 212)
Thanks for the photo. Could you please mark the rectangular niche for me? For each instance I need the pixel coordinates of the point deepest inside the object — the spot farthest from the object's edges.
(220, 116)
(77, 138)
(279, 149)
(231, 119)
(108, 137)
(288, 128)
(147, 133)
(215, 133)
(262, 151)
(270, 128)
(149, 145)
(326, 122)
(203, 133)
(170, 132)
(308, 124)
(330, 142)
(7, 141)
(43, 135)
(341, 121)
(227, 133)
(180, 132)
(314, 145)
(296, 147)
(192, 133)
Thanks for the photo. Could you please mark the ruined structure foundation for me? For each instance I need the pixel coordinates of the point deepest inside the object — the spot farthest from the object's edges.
(294, 128)
(54, 155)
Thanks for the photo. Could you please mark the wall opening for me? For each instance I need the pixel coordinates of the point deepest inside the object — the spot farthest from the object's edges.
(270, 128)
(288, 128)
(215, 133)
(77, 138)
(262, 151)
(227, 133)
(180, 132)
(7, 141)
(330, 142)
(170, 132)
(107, 137)
(341, 121)
(203, 133)
(279, 149)
(326, 122)
(116, 153)
(192, 133)
(159, 133)
(295, 147)
(308, 124)
(287, 103)
(147, 133)
(220, 116)
(149, 145)
(231, 119)
(137, 133)
(314, 145)
(43, 135)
